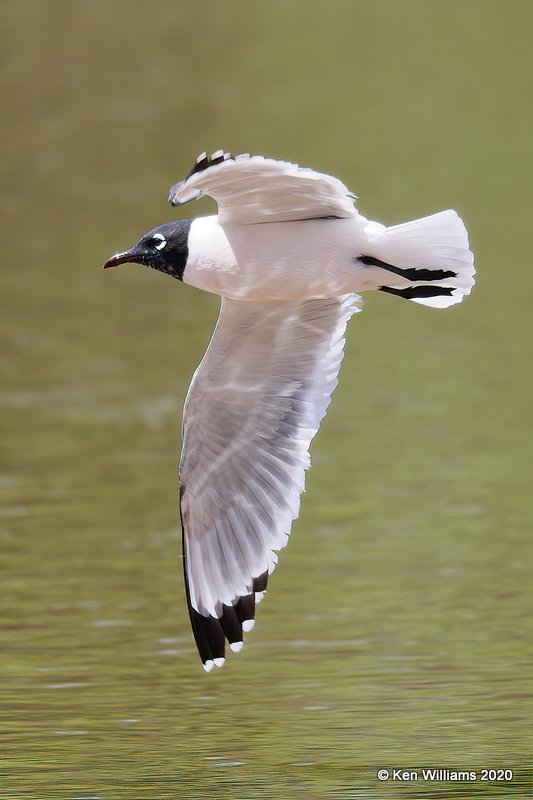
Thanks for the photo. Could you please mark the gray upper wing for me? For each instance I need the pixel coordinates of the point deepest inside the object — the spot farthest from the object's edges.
(254, 405)
(252, 189)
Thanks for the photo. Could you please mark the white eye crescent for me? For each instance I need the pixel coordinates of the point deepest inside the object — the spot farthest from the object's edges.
(162, 241)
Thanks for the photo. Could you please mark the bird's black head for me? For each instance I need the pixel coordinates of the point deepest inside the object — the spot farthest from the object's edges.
(165, 248)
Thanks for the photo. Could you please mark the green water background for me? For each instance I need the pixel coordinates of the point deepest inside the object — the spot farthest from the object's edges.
(397, 630)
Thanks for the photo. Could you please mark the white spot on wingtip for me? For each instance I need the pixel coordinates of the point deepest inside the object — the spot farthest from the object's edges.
(208, 666)
(218, 661)
(236, 646)
(259, 596)
(247, 625)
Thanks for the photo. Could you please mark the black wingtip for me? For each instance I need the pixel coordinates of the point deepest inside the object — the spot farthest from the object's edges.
(211, 633)
(204, 161)
(209, 638)
(260, 583)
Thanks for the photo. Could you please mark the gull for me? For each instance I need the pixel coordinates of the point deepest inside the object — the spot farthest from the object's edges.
(288, 254)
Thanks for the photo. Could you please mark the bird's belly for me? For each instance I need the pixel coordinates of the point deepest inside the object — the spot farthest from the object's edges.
(277, 261)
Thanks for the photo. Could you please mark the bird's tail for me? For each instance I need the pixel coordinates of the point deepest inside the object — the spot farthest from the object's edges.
(427, 260)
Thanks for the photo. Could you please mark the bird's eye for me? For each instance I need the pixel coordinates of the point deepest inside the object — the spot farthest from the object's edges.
(158, 241)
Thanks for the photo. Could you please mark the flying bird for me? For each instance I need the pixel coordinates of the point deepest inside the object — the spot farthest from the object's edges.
(287, 252)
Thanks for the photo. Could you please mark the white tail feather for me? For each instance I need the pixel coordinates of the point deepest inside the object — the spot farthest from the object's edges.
(436, 243)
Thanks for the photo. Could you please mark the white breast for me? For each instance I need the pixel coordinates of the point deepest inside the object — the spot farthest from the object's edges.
(210, 261)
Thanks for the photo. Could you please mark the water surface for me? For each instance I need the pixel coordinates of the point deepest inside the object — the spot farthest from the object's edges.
(397, 629)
